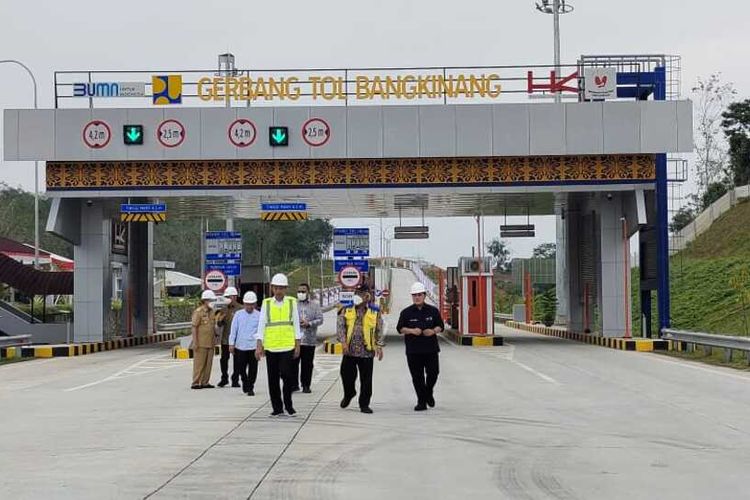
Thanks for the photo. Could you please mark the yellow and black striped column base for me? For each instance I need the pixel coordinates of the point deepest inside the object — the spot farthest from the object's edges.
(144, 217)
(332, 347)
(622, 344)
(80, 349)
(187, 353)
(277, 216)
(474, 340)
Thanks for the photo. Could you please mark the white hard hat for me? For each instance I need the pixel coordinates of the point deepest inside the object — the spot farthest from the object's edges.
(279, 280)
(230, 291)
(250, 298)
(418, 288)
(208, 295)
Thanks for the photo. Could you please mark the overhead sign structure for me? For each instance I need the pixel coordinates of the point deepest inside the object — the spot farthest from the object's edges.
(283, 211)
(600, 83)
(316, 132)
(132, 135)
(362, 264)
(350, 276)
(278, 136)
(224, 252)
(242, 133)
(170, 133)
(96, 134)
(143, 212)
(351, 242)
(215, 280)
(109, 89)
(411, 232)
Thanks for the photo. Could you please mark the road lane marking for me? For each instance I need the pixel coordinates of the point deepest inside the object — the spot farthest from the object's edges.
(689, 364)
(539, 374)
(138, 368)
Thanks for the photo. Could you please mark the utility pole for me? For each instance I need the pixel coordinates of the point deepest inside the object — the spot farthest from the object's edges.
(556, 8)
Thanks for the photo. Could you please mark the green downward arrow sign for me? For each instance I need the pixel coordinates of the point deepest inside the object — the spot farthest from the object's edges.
(133, 134)
(278, 136)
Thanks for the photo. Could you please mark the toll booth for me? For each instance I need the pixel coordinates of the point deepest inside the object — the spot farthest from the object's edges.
(257, 279)
(476, 296)
(452, 296)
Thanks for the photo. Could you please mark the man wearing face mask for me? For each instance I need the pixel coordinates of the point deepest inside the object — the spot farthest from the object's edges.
(310, 318)
(359, 330)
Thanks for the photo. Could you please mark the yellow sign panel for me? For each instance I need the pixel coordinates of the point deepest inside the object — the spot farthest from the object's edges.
(358, 87)
(276, 216)
(144, 217)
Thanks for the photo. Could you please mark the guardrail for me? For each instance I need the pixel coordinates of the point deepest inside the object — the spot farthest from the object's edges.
(15, 340)
(708, 341)
(174, 327)
(503, 317)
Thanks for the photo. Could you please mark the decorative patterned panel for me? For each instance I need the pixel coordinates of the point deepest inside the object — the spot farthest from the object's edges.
(232, 174)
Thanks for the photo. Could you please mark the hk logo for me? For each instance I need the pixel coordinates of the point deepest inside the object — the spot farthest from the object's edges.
(601, 81)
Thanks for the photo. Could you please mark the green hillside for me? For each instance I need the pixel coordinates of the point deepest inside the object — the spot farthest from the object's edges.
(703, 297)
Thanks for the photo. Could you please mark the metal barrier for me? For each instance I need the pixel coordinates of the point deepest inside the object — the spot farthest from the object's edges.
(688, 340)
(502, 318)
(15, 340)
(174, 327)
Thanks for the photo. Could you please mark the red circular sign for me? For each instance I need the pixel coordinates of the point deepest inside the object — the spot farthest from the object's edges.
(350, 276)
(96, 134)
(386, 293)
(242, 133)
(170, 133)
(215, 280)
(316, 132)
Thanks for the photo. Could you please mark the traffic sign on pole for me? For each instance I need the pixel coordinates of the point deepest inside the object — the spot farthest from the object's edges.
(350, 276)
(224, 252)
(215, 280)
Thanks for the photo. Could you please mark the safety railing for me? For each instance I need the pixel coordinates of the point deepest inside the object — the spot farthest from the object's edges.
(690, 340)
(174, 327)
(15, 340)
(502, 318)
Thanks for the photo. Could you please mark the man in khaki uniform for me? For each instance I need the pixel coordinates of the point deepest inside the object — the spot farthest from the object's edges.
(204, 339)
(224, 321)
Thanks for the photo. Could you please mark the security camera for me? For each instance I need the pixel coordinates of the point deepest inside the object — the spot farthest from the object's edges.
(609, 196)
(89, 203)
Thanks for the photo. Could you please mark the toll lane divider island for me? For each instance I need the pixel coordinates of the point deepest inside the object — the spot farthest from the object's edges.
(80, 349)
(623, 344)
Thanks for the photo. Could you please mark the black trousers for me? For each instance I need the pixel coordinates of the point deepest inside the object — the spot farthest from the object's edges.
(349, 367)
(280, 366)
(245, 368)
(303, 366)
(424, 370)
(224, 362)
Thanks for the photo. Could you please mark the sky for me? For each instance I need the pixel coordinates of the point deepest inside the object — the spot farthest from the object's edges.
(51, 35)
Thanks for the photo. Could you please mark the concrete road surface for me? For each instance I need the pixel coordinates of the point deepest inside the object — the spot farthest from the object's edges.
(539, 418)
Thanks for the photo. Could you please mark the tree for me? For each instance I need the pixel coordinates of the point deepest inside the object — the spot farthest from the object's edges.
(501, 253)
(713, 192)
(684, 216)
(545, 251)
(736, 125)
(711, 99)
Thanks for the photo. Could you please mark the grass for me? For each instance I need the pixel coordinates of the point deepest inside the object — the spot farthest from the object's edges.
(6, 361)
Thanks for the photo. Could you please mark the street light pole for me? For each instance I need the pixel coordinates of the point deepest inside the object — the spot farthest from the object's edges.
(36, 164)
(555, 7)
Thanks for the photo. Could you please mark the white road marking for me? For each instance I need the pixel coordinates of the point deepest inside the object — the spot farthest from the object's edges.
(539, 374)
(692, 366)
(506, 353)
(148, 365)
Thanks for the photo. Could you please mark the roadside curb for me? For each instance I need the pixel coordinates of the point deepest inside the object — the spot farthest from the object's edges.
(69, 350)
(473, 340)
(187, 353)
(622, 344)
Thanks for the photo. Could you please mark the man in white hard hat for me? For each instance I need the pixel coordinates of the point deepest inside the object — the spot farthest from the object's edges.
(204, 339)
(279, 336)
(419, 324)
(243, 339)
(224, 320)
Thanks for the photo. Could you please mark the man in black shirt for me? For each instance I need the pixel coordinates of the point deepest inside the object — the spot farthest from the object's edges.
(419, 324)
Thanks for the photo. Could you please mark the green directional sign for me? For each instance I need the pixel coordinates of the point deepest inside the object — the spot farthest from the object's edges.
(278, 136)
(132, 134)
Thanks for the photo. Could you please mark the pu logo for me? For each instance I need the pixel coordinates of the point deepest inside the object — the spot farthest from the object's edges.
(600, 81)
(166, 89)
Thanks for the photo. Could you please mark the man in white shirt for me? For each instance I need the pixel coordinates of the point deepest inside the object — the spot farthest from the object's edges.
(279, 336)
(243, 339)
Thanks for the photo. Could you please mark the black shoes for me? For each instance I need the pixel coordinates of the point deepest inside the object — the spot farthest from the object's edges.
(366, 409)
(295, 389)
(207, 386)
(291, 411)
(431, 401)
(345, 402)
(306, 390)
(223, 383)
(420, 407)
(235, 384)
(250, 392)
(277, 413)
(196, 386)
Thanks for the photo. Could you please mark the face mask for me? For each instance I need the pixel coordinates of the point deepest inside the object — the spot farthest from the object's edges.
(301, 296)
(357, 301)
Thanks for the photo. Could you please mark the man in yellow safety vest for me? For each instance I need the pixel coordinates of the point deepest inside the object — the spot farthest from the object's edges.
(279, 337)
(359, 330)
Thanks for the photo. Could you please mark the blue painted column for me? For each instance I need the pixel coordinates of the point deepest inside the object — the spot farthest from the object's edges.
(662, 214)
